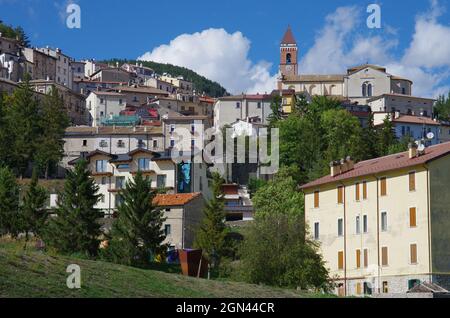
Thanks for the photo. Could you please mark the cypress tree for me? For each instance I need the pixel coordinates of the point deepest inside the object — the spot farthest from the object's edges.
(210, 236)
(9, 203)
(53, 122)
(76, 228)
(137, 234)
(34, 208)
(22, 117)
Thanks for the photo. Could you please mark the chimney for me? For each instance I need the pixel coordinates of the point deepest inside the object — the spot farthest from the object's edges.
(412, 147)
(350, 163)
(335, 168)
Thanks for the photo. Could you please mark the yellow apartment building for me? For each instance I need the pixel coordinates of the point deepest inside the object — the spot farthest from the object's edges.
(383, 224)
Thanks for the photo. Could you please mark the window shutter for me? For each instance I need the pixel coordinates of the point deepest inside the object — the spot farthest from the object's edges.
(384, 256)
(413, 253)
(366, 258)
(340, 195)
(358, 258)
(364, 190)
(412, 217)
(383, 186)
(316, 199)
(412, 181)
(357, 191)
(340, 260)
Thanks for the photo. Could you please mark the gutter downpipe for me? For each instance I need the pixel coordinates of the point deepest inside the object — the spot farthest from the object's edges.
(429, 224)
(344, 188)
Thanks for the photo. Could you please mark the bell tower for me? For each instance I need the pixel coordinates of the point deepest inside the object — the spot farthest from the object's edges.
(288, 55)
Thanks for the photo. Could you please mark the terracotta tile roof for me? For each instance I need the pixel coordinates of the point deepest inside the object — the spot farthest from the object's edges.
(384, 164)
(315, 78)
(141, 89)
(175, 199)
(409, 119)
(111, 130)
(288, 37)
(360, 67)
(247, 96)
(400, 96)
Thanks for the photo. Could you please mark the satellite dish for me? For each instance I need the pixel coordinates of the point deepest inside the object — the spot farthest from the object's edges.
(421, 147)
(430, 135)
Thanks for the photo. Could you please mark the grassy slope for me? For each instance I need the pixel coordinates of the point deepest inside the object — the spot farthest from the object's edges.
(35, 274)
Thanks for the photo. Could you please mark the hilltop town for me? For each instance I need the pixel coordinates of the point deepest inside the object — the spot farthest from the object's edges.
(362, 160)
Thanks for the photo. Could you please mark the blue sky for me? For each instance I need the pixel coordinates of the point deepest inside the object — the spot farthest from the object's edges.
(242, 37)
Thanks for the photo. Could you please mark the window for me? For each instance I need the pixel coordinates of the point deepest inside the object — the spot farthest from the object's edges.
(120, 144)
(367, 288)
(383, 186)
(288, 58)
(103, 180)
(161, 181)
(120, 101)
(384, 256)
(412, 181)
(369, 90)
(102, 198)
(141, 143)
(366, 258)
(172, 143)
(358, 225)
(84, 143)
(358, 289)
(192, 128)
(103, 143)
(412, 217)
(358, 258)
(364, 90)
(316, 230)
(340, 195)
(123, 166)
(385, 287)
(364, 190)
(144, 164)
(102, 100)
(100, 165)
(238, 105)
(357, 192)
(412, 283)
(192, 142)
(120, 182)
(413, 253)
(365, 225)
(259, 105)
(340, 260)
(384, 224)
(155, 143)
(340, 227)
(316, 199)
(172, 128)
(167, 229)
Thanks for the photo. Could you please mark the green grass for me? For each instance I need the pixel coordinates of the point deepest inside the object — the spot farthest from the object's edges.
(32, 273)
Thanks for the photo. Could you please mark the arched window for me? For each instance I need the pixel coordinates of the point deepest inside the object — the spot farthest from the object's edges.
(288, 58)
(364, 90)
(369, 90)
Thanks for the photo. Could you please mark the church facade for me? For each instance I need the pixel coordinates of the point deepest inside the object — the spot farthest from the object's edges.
(359, 85)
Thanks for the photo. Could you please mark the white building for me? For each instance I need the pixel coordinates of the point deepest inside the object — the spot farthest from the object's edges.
(229, 109)
(103, 105)
(142, 73)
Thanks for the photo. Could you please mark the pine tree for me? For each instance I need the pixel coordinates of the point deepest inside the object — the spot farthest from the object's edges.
(76, 229)
(137, 234)
(33, 209)
(9, 203)
(4, 135)
(53, 122)
(386, 137)
(22, 117)
(210, 236)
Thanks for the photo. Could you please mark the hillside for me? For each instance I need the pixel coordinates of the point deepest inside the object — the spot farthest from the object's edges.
(11, 32)
(36, 274)
(201, 83)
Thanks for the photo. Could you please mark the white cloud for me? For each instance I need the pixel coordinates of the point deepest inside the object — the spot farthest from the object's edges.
(426, 61)
(219, 56)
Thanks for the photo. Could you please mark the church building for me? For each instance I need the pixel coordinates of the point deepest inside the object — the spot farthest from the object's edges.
(362, 85)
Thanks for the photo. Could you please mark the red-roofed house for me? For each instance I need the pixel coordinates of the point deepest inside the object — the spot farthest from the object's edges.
(183, 212)
(383, 223)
